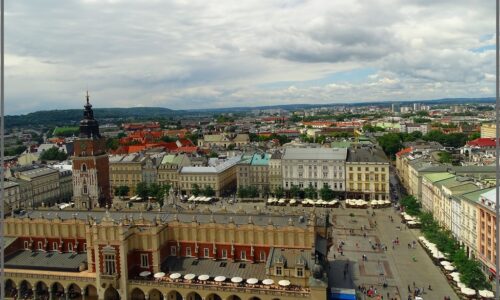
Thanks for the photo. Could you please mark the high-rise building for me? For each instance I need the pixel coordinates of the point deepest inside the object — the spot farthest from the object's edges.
(90, 164)
(395, 107)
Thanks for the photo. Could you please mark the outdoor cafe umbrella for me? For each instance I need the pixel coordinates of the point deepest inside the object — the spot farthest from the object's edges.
(267, 281)
(252, 280)
(236, 279)
(144, 273)
(467, 291)
(486, 294)
(175, 276)
(220, 279)
(159, 275)
(284, 282)
(189, 276)
(203, 277)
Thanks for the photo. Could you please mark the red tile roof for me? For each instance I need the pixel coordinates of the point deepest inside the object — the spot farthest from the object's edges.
(482, 142)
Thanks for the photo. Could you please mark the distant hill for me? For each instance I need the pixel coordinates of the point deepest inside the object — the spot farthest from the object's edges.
(72, 116)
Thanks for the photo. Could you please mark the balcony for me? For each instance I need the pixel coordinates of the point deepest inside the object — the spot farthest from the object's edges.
(295, 293)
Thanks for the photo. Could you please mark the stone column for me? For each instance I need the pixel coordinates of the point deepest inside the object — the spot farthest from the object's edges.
(66, 295)
(165, 296)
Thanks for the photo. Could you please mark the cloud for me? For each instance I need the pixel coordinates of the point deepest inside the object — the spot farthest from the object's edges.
(200, 54)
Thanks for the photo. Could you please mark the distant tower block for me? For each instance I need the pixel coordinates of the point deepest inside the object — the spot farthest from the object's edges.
(90, 164)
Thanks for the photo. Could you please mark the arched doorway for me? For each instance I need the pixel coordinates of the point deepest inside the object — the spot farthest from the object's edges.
(137, 294)
(155, 294)
(111, 294)
(193, 296)
(25, 290)
(174, 295)
(213, 297)
(42, 290)
(58, 291)
(74, 292)
(90, 292)
(10, 288)
(233, 297)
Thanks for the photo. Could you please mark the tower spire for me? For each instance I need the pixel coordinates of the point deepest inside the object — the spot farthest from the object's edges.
(87, 97)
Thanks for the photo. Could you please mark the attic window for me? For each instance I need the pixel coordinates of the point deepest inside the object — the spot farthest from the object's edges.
(242, 266)
(195, 263)
(223, 265)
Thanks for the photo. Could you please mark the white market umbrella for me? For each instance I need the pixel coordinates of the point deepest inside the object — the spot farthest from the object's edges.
(486, 294)
(144, 273)
(461, 285)
(252, 280)
(467, 291)
(203, 277)
(449, 268)
(236, 279)
(175, 276)
(267, 281)
(284, 282)
(189, 276)
(445, 263)
(220, 279)
(159, 275)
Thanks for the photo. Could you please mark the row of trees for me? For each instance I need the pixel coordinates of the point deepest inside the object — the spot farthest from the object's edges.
(470, 270)
(207, 191)
(295, 191)
(53, 154)
(145, 190)
(393, 142)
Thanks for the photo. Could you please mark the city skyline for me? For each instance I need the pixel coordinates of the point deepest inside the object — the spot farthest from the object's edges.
(185, 55)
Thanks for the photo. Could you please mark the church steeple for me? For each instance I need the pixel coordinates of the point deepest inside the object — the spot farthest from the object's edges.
(89, 127)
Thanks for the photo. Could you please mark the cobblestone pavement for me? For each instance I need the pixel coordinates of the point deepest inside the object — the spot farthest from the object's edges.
(400, 267)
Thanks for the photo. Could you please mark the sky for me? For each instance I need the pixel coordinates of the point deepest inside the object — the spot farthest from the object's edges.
(188, 54)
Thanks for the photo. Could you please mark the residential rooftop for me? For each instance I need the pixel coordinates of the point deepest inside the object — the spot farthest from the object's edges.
(315, 153)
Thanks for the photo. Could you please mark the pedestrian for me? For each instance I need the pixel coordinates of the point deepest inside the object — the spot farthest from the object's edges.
(429, 288)
(409, 289)
(413, 284)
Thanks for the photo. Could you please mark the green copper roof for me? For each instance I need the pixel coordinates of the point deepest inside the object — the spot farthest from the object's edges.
(434, 177)
(260, 159)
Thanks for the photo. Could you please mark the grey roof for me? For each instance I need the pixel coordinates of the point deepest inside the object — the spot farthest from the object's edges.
(8, 184)
(221, 167)
(315, 153)
(8, 240)
(291, 257)
(50, 261)
(213, 268)
(37, 172)
(367, 155)
(276, 155)
(220, 218)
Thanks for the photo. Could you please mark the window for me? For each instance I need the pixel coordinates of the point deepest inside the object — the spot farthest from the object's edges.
(70, 247)
(300, 272)
(173, 250)
(85, 191)
(188, 251)
(26, 245)
(262, 255)
(224, 253)
(144, 260)
(84, 168)
(84, 247)
(243, 255)
(40, 246)
(279, 271)
(54, 246)
(109, 264)
(206, 252)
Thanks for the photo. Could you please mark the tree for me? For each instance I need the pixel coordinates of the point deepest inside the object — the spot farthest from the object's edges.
(310, 192)
(142, 190)
(326, 193)
(195, 189)
(208, 191)
(242, 192)
(213, 155)
(445, 157)
(15, 151)
(294, 191)
(167, 139)
(474, 136)
(112, 144)
(155, 190)
(279, 192)
(122, 190)
(121, 135)
(53, 154)
(390, 143)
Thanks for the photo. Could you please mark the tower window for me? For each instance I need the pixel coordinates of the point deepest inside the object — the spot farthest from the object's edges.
(85, 191)
(84, 168)
(109, 264)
